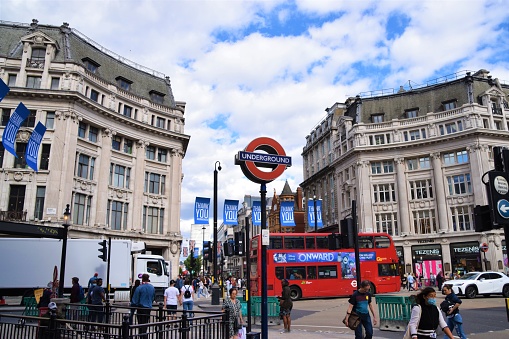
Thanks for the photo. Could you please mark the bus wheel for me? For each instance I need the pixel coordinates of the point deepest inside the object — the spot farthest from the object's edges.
(295, 293)
(372, 288)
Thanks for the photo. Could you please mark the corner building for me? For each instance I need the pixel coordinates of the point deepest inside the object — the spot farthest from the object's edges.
(413, 159)
(114, 142)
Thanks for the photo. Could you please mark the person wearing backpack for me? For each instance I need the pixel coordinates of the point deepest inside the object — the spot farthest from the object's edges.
(77, 295)
(187, 300)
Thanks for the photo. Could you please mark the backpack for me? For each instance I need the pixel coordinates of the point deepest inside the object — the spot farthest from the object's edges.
(81, 294)
(187, 293)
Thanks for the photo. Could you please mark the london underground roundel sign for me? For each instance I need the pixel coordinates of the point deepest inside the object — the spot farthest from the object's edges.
(274, 158)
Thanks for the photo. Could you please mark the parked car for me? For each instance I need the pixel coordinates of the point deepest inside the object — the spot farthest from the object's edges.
(485, 283)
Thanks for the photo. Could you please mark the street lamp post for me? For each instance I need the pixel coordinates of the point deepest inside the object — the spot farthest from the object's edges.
(203, 250)
(314, 209)
(215, 285)
(67, 214)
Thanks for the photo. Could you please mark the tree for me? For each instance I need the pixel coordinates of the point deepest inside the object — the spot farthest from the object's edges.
(193, 264)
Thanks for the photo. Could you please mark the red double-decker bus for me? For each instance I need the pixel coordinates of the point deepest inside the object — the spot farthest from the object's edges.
(315, 271)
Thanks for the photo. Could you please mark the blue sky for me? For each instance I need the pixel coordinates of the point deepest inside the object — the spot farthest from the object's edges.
(271, 68)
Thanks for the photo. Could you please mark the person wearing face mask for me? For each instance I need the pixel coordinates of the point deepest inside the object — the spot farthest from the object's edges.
(426, 317)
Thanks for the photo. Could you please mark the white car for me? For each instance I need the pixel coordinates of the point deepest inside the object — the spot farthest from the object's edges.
(485, 283)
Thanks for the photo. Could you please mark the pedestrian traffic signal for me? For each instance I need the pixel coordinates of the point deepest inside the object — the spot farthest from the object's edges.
(239, 243)
(104, 250)
(206, 250)
(228, 249)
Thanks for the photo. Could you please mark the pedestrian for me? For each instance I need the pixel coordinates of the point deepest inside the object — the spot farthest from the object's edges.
(360, 303)
(200, 289)
(171, 300)
(45, 299)
(285, 306)
(186, 297)
(143, 299)
(234, 308)
(92, 281)
(132, 310)
(179, 282)
(43, 328)
(440, 279)
(77, 295)
(426, 317)
(450, 306)
(96, 297)
(432, 280)
(228, 286)
(411, 281)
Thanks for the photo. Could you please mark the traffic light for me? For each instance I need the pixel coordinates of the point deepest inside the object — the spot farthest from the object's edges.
(239, 243)
(206, 250)
(335, 241)
(104, 250)
(192, 263)
(228, 249)
(482, 219)
(346, 228)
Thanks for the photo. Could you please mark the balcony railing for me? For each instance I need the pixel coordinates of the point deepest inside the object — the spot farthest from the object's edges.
(13, 215)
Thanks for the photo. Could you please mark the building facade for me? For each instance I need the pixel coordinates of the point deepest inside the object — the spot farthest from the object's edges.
(114, 142)
(414, 160)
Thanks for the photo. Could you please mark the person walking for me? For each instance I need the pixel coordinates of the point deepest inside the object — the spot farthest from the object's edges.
(411, 282)
(143, 299)
(200, 289)
(425, 317)
(77, 295)
(171, 300)
(132, 310)
(186, 297)
(96, 298)
(360, 303)
(440, 279)
(179, 282)
(92, 281)
(285, 305)
(235, 320)
(450, 306)
(432, 280)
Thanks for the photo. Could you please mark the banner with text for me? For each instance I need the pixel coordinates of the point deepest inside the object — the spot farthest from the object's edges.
(32, 150)
(201, 210)
(231, 207)
(286, 214)
(10, 131)
(256, 213)
(311, 213)
(4, 89)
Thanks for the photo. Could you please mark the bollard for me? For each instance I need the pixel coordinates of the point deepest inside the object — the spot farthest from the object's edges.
(160, 318)
(124, 334)
(215, 294)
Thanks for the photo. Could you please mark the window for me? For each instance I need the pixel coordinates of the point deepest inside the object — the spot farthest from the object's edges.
(451, 104)
(411, 113)
(462, 218)
(39, 202)
(296, 273)
(162, 154)
(20, 161)
(160, 122)
(33, 81)
(115, 142)
(294, 243)
(11, 81)
(6, 115)
(2, 152)
(85, 130)
(50, 120)
(377, 118)
(387, 223)
(154, 183)
(276, 243)
(310, 242)
(421, 189)
(388, 270)
(124, 83)
(37, 58)
(128, 146)
(116, 215)
(30, 120)
(85, 168)
(46, 149)
(415, 134)
(153, 219)
(459, 184)
(327, 272)
(322, 242)
(81, 209)
(418, 163)
(127, 111)
(424, 222)
(82, 129)
(452, 127)
(424, 163)
(453, 158)
(91, 65)
(92, 134)
(384, 193)
(55, 83)
(120, 176)
(380, 139)
(94, 95)
(150, 153)
(17, 200)
(378, 167)
(156, 97)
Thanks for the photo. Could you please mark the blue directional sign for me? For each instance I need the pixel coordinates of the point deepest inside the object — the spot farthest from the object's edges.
(503, 208)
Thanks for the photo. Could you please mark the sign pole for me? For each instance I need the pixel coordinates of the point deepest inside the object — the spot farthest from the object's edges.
(265, 319)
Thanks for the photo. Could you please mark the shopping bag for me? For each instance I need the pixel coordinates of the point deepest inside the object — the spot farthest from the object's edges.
(353, 321)
(242, 333)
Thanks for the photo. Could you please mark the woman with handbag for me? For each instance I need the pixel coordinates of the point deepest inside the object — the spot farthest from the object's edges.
(426, 317)
(285, 305)
(235, 313)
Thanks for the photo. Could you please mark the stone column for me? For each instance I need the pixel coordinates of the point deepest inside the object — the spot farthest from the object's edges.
(364, 200)
(440, 191)
(404, 216)
(174, 189)
(103, 176)
(138, 184)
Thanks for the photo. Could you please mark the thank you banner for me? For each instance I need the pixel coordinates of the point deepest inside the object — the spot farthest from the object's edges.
(4, 89)
(311, 213)
(10, 131)
(231, 208)
(286, 214)
(201, 210)
(33, 145)
(257, 213)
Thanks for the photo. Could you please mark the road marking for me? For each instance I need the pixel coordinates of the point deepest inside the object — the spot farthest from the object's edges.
(319, 326)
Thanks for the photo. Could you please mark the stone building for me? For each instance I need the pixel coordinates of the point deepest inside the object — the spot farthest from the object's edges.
(413, 159)
(114, 142)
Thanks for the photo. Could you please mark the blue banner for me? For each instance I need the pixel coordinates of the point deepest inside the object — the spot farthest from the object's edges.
(32, 150)
(256, 213)
(10, 131)
(286, 213)
(201, 210)
(311, 257)
(4, 89)
(231, 207)
(311, 213)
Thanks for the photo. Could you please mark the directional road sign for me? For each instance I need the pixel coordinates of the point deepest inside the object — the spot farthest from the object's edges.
(503, 208)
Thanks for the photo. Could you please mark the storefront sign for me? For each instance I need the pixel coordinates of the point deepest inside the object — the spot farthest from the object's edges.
(434, 251)
(424, 241)
(466, 249)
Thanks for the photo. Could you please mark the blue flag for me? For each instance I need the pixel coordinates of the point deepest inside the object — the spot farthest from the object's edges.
(286, 214)
(311, 213)
(257, 213)
(201, 210)
(231, 208)
(4, 89)
(34, 142)
(10, 131)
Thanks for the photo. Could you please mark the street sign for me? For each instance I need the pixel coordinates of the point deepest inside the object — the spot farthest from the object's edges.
(503, 208)
(354, 283)
(483, 247)
(498, 198)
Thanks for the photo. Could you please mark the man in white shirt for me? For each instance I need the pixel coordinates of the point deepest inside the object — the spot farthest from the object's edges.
(171, 300)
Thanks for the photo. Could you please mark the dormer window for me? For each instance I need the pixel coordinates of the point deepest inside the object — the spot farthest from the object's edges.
(157, 97)
(411, 113)
(37, 58)
(377, 118)
(449, 104)
(124, 83)
(91, 65)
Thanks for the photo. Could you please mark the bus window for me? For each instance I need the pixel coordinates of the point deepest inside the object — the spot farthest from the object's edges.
(322, 242)
(296, 273)
(311, 272)
(327, 272)
(294, 243)
(310, 242)
(280, 272)
(387, 270)
(382, 242)
(276, 243)
(365, 242)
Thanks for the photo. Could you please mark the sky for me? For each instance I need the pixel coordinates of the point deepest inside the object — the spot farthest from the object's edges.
(270, 68)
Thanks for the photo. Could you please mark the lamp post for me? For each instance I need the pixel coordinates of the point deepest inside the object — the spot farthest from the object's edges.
(67, 215)
(314, 209)
(203, 250)
(215, 285)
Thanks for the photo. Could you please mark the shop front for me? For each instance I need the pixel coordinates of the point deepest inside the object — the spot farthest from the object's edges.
(426, 259)
(465, 257)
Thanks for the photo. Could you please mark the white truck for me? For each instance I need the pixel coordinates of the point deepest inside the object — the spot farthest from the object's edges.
(27, 264)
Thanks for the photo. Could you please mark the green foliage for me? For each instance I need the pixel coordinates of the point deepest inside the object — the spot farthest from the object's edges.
(193, 265)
